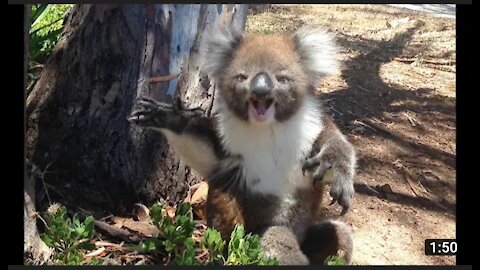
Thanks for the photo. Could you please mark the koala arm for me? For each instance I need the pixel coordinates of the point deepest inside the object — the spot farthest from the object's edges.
(192, 135)
(333, 160)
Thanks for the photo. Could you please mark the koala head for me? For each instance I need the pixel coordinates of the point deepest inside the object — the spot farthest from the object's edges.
(264, 79)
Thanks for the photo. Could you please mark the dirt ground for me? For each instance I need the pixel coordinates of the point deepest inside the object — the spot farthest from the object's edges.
(395, 99)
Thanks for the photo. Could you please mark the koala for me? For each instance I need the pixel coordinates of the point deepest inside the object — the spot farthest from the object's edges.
(268, 150)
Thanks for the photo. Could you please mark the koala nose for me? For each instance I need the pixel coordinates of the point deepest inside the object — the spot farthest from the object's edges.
(261, 86)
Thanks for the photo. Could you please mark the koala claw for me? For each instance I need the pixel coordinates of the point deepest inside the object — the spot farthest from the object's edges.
(326, 170)
(151, 113)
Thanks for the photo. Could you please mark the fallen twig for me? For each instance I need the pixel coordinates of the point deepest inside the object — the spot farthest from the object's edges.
(107, 217)
(95, 252)
(364, 89)
(43, 182)
(335, 110)
(365, 125)
(372, 189)
(412, 122)
(116, 232)
(108, 244)
(427, 61)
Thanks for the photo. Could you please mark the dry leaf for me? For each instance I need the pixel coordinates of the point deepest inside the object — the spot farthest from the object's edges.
(170, 211)
(191, 190)
(200, 195)
(143, 226)
(141, 212)
(199, 198)
(118, 221)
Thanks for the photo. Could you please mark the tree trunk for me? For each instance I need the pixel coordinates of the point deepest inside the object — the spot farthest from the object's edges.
(76, 113)
(34, 248)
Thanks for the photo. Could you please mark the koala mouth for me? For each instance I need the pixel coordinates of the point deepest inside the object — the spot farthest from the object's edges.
(261, 110)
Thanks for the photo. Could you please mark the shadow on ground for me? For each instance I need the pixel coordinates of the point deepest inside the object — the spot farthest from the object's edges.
(367, 98)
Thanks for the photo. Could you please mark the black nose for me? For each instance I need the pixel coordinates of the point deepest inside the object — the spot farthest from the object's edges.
(261, 85)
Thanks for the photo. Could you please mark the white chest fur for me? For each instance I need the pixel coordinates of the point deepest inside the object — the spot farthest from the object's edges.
(272, 154)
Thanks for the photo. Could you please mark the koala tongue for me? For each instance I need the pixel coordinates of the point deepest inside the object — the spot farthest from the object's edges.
(261, 109)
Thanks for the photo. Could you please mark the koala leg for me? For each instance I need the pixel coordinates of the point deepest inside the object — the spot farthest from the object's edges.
(326, 239)
(280, 242)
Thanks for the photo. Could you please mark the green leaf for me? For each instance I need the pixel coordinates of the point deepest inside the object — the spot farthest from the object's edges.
(168, 245)
(187, 257)
(89, 226)
(79, 231)
(184, 209)
(334, 260)
(246, 249)
(86, 246)
(40, 12)
(48, 241)
(95, 261)
(150, 245)
(156, 214)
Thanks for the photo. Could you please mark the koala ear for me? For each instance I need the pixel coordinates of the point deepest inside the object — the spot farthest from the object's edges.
(219, 45)
(318, 51)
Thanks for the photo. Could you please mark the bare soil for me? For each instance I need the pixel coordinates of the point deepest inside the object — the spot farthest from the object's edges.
(395, 100)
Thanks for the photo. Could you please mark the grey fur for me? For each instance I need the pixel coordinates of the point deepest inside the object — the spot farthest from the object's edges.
(334, 154)
(281, 243)
(318, 51)
(219, 48)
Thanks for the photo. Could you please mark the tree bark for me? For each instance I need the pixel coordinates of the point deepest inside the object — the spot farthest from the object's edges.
(34, 248)
(76, 113)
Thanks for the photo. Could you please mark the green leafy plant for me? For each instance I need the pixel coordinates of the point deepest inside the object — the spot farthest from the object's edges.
(68, 236)
(46, 25)
(175, 238)
(175, 235)
(246, 249)
(213, 243)
(334, 260)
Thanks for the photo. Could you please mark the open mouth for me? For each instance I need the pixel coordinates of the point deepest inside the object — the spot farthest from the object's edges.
(261, 110)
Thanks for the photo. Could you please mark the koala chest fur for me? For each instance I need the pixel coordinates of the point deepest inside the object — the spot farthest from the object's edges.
(272, 154)
(271, 188)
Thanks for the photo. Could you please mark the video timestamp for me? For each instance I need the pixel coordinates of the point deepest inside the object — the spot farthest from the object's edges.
(441, 247)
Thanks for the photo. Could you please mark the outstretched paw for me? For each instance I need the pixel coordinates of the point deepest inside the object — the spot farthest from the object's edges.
(148, 112)
(335, 169)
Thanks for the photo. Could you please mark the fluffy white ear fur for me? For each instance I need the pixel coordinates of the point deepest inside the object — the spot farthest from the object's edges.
(318, 51)
(220, 43)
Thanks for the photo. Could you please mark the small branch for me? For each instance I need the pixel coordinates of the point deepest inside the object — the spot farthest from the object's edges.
(115, 232)
(412, 122)
(43, 182)
(107, 217)
(164, 78)
(43, 220)
(372, 189)
(335, 110)
(365, 125)
(95, 253)
(363, 88)
(426, 61)
(108, 244)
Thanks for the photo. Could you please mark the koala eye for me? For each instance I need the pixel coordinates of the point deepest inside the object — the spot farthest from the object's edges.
(283, 79)
(240, 78)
